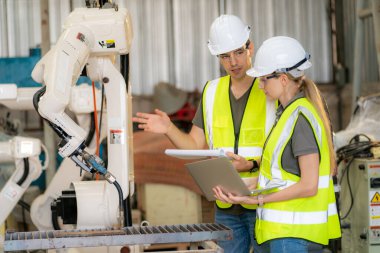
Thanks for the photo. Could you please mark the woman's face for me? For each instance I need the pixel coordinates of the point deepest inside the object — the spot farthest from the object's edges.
(271, 86)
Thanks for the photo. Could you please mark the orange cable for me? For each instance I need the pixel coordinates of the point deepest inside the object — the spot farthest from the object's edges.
(96, 124)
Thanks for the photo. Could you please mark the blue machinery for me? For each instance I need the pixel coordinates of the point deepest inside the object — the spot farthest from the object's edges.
(17, 70)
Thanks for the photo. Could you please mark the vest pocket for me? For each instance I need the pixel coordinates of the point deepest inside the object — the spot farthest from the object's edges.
(222, 136)
(252, 137)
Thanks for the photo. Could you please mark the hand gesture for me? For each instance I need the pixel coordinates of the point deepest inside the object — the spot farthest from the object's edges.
(155, 123)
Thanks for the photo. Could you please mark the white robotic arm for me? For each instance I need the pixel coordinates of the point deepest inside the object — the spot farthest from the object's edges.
(91, 38)
(24, 152)
(17, 98)
(59, 70)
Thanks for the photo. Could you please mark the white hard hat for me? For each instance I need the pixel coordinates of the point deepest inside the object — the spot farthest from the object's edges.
(227, 33)
(280, 54)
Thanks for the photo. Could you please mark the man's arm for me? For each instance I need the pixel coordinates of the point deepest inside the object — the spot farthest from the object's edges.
(159, 122)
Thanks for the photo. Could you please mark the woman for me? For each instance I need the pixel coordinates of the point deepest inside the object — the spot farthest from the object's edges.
(300, 216)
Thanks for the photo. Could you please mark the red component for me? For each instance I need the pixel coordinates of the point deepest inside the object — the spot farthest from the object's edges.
(186, 113)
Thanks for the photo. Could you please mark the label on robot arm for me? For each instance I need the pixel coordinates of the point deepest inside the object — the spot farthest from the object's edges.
(117, 136)
(12, 193)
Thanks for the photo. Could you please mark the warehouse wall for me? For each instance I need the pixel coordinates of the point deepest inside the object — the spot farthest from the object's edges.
(369, 67)
(170, 36)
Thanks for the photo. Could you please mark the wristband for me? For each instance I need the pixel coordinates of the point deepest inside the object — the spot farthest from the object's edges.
(255, 166)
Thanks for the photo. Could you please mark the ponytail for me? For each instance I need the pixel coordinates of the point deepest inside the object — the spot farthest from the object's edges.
(313, 94)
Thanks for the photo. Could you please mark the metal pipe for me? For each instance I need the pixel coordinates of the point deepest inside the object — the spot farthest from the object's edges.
(358, 53)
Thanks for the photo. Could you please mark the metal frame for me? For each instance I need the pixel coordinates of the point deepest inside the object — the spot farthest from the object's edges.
(135, 235)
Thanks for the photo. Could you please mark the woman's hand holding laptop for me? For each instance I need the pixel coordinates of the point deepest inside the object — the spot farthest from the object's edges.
(233, 199)
(251, 182)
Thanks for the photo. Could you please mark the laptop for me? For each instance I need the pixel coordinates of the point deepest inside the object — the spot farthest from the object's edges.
(220, 172)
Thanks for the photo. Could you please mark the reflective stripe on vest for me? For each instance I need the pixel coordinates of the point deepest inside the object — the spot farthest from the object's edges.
(323, 182)
(288, 218)
(208, 106)
(256, 123)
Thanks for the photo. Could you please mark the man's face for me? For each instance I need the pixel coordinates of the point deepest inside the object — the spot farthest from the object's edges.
(237, 62)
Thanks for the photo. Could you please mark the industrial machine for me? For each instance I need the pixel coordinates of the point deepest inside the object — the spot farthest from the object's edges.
(360, 205)
(92, 38)
(94, 213)
(82, 105)
(24, 153)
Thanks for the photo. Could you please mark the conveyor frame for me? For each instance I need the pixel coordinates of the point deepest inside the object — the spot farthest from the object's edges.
(135, 235)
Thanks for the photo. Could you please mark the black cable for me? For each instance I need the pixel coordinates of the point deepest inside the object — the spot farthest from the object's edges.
(121, 198)
(9, 127)
(120, 192)
(24, 205)
(36, 99)
(102, 2)
(91, 131)
(101, 112)
(124, 70)
(346, 170)
(37, 96)
(26, 172)
(54, 216)
(127, 212)
(355, 149)
(24, 219)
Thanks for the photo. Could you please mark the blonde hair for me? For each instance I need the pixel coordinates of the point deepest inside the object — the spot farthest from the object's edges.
(313, 94)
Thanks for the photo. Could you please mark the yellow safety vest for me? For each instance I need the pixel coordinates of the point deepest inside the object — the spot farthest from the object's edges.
(257, 121)
(312, 218)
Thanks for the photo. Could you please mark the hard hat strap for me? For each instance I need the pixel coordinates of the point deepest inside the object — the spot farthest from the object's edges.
(307, 57)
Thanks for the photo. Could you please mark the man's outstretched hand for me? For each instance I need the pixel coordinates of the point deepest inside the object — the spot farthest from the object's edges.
(159, 122)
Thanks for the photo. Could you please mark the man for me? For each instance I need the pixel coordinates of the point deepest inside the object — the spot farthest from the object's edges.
(235, 115)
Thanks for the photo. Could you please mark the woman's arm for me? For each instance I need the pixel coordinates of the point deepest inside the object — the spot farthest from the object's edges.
(306, 187)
